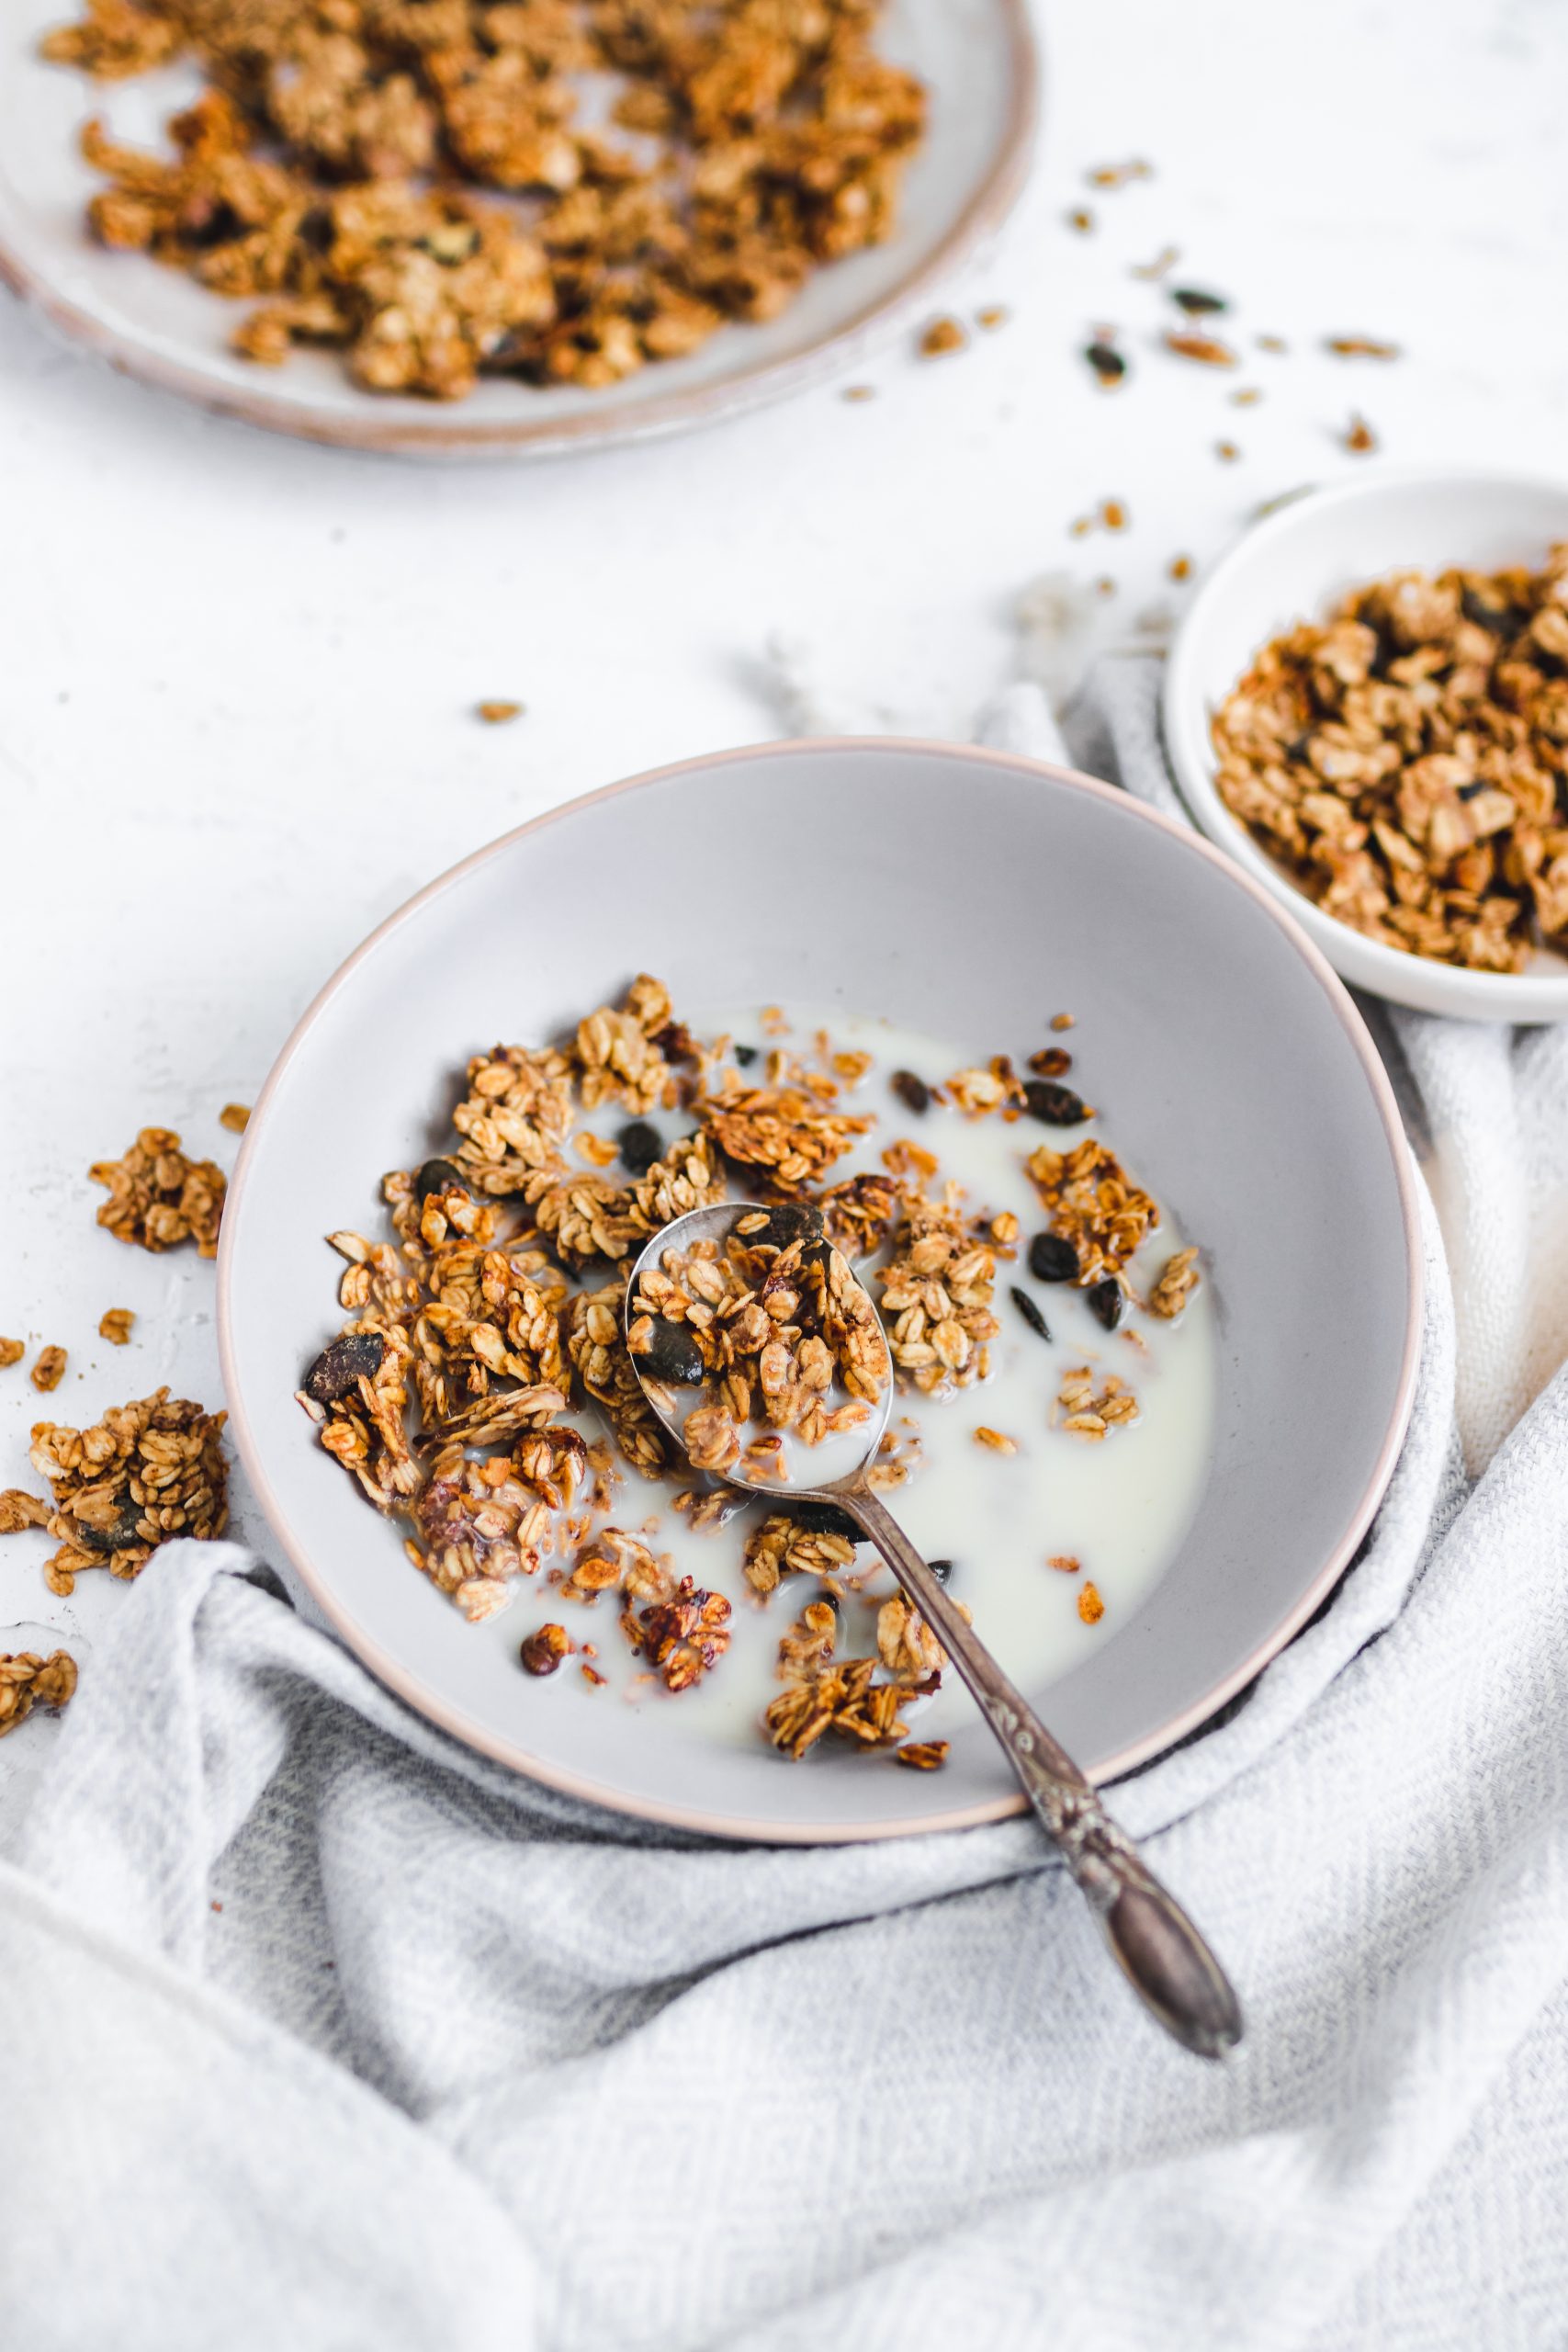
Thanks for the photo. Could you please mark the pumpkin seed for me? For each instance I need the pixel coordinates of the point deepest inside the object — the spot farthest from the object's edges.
(1053, 1259)
(640, 1145)
(1030, 1312)
(1107, 1302)
(338, 1370)
(1056, 1107)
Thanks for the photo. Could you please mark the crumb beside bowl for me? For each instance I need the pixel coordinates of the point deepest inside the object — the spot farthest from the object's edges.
(1296, 566)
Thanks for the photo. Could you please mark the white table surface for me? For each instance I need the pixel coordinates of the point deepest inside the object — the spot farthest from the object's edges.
(236, 673)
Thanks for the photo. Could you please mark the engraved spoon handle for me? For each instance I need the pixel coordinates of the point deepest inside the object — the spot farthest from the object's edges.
(1163, 1956)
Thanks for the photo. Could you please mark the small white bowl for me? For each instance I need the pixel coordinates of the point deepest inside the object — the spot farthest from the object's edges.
(1293, 567)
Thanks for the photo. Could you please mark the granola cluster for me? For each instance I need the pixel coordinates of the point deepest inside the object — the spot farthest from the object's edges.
(767, 1324)
(1094, 1207)
(158, 1198)
(936, 1295)
(670, 166)
(146, 1473)
(28, 1680)
(861, 1698)
(1407, 762)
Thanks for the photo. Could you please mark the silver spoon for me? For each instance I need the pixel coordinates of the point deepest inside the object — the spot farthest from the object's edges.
(1163, 1956)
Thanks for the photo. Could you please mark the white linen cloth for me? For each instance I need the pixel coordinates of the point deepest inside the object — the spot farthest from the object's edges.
(318, 2031)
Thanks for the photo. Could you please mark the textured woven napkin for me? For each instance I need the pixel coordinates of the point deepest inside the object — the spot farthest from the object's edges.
(321, 2032)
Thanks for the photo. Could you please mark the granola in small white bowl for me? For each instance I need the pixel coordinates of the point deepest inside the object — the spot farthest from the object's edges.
(1366, 707)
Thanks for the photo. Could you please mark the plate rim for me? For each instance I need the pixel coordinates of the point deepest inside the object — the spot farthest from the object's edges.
(405, 1683)
(755, 387)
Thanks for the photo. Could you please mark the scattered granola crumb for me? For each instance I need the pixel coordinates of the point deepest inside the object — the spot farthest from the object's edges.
(1247, 397)
(859, 392)
(50, 1369)
(1064, 1021)
(158, 1198)
(28, 1680)
(997, 1442)
(1082, 220)
(496, 714)
(1090, 1413)
(1226, 452)
(1166, 259)
(1359, 436)
(1275, 343)
(1207, 349)
(994, 315)
(235, 1116)
(1067, 1561)
(922, 1755)
(542, 1650)
(1179, 1278)
(1105, 585)
(590, 1675)
(1113, 514)
(1091, 1609)
(12, 1352)
(116, 1325)
(1180, 567)
(1361, 347)
(1118, 175)
(943, 335)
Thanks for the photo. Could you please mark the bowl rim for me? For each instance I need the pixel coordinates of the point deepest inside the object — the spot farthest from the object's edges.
(405, 1683)
(1388, 972)
(133, 352)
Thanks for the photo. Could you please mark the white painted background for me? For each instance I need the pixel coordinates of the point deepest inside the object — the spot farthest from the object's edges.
(236, 673)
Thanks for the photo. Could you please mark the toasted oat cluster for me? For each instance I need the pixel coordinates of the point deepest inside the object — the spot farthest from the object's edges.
(158, 1198)
(1407, 762)
(146, 1473)
(1094, 1206)
(669, 166)
(767, 1325)
(861, 1698)
(28, 1680)
(936, 1295)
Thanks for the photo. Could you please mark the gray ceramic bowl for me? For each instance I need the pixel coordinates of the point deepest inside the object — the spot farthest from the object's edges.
(981, 892)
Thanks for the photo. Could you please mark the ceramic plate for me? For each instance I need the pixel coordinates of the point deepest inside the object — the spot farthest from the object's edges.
(975, 57)
(988, 892)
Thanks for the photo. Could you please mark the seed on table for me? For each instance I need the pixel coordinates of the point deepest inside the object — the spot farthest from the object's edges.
(1053, 1259)
(1109, 366)
(941, 1570)
(1030, 1312)
(1107, 1302)
(744, 1055)
(1196, 302)
(912, 1092)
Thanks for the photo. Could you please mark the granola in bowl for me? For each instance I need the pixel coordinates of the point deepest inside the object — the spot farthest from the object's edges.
(562, 195)
(483, 1391)
(1406, 762)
